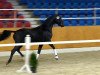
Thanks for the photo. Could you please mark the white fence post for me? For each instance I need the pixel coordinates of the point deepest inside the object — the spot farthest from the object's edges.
(26, 66)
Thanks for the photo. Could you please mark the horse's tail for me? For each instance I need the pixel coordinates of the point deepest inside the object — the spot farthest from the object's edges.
(5, 34)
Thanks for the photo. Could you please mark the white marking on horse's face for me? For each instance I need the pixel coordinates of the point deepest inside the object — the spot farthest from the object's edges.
(58, 17)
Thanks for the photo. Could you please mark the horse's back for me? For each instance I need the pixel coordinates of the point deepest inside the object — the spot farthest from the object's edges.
(36, 34)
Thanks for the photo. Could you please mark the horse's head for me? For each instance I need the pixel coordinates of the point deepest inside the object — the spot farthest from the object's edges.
(58, 20)
(52, 20)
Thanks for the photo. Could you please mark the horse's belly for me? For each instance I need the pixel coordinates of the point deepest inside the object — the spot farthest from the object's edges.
(36, 38)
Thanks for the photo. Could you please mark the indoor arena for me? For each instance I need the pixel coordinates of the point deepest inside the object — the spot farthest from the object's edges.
(50, 37)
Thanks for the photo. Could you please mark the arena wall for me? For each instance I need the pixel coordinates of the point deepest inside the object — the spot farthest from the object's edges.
(63, 34)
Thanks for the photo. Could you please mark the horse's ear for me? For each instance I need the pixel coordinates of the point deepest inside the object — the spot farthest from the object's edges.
(58, 17)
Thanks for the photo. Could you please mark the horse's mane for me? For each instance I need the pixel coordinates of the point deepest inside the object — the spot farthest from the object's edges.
(47, 21)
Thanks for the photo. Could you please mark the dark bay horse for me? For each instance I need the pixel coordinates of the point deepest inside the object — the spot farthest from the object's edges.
(42, 33)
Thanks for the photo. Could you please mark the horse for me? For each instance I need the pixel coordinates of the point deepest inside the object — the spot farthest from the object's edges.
(42, 33)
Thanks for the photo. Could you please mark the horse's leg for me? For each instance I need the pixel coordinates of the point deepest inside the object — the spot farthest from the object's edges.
(16, 48)
(20, 53)
(55, 52)
(39, 51)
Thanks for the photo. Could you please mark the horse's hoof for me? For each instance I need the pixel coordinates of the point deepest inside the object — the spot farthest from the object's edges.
(7, 63)
(23, 56)
(56, 58)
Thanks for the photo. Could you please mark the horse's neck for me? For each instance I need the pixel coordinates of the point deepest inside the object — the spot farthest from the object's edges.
(48, 24)
(47, 27)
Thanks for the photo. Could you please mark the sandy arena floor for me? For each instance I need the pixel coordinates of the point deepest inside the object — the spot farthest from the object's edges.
(85, 63)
